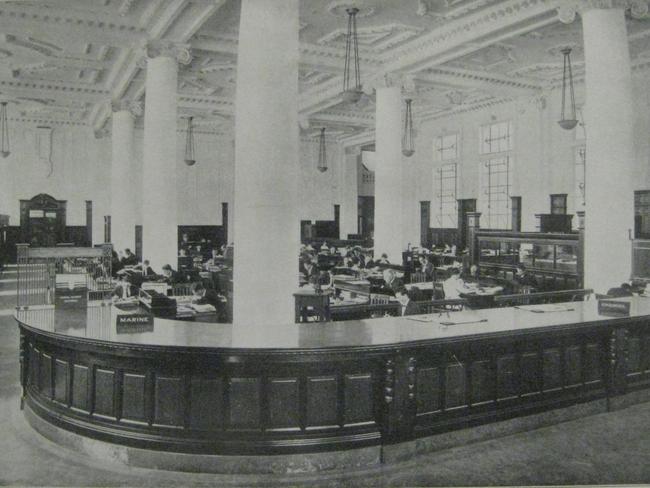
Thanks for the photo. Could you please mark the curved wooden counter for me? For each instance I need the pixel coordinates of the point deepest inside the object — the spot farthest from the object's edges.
(209, 388)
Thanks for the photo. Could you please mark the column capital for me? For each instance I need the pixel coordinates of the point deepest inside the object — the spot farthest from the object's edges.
(568, 9)
(132, 106)
(180, 52)
(405, 81)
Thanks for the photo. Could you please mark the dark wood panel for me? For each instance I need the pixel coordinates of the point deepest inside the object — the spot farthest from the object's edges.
(169, 403)
(552, 364)
(45, 379)
(593, 363)
(507, 377)
(104, 392)
(206, 403)
(34, 355)
(634, 355)
(427, 390)
(358, 399)
(455, 386)
(284, 408)
(133, 397)
(245, 398)
(321, 401)
(80, 381)
(483, 385)
(573, 366)
(61, 372)
(530, 373)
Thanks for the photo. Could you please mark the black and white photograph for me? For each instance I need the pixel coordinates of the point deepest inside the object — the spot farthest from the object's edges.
(324, 243)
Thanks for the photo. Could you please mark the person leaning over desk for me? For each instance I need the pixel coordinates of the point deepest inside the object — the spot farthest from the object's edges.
(171, 276)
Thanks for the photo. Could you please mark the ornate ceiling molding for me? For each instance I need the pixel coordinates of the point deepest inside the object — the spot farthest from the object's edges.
(135, 108)
(449, 9)
(180, 52)
(568, 9)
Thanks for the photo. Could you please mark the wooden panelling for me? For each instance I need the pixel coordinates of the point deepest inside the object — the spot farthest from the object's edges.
(133, 397)
(284, 408)
(169, 404)
(455, 380)
(80, 387)
(506, 377)
(45, 376)
(34, 355)
(552, 365)
(530, 373)
(573, 366)
(483, 384)
(358, 399)
(634, 355)
(206, 403)
(593, 363)
(427, 390)
(321, 401)
(104, 392)
(245, 403)
(61, 372)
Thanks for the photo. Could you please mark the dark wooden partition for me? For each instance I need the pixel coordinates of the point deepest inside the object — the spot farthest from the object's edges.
(315, 397)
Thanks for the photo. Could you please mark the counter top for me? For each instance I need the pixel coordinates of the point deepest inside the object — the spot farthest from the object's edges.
(98, 323)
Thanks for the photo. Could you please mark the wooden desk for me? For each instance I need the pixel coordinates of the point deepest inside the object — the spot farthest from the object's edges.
(319, 302)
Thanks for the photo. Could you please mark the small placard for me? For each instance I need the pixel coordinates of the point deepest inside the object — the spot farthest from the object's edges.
(141, 322)
(614, 308)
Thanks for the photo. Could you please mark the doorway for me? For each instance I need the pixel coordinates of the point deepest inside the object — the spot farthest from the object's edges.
(465, 206)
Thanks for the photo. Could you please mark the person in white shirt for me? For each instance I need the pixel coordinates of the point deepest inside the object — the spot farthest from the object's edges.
(453, 285)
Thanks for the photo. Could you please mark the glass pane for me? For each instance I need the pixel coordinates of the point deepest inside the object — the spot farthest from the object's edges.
(36, 213)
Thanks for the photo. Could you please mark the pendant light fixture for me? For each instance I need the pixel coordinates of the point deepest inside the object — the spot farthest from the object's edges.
(351, 74)
(567, 120)
(322, 154)
(189, 143)
(4, 131)
(408, 147)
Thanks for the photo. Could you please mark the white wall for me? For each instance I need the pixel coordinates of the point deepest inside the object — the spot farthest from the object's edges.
(544, 153)
(81, 165)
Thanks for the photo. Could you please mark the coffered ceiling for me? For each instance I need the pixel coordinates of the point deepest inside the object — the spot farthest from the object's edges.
(63, 61)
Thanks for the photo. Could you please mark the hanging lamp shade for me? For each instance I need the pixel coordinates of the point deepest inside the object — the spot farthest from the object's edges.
(189, 143)
(351, 74)
(322, 154)
(408, 147)
(4, 131)
(568, 119)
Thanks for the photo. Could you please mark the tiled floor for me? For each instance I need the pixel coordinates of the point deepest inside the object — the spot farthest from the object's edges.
(602, 449)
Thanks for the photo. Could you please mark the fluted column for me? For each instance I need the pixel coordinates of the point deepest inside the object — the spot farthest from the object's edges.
(609, 122)
(389, 232)
(123, 190)
(267, 231)
(159, 213)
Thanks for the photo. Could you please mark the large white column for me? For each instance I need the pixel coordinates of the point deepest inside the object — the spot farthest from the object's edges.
(159, 213)
(609, 197)
(266, 164)
(349, 191)
(123, 190)
(388, 236)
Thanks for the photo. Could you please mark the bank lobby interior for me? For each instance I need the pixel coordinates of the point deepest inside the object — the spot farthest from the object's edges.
(337, 243)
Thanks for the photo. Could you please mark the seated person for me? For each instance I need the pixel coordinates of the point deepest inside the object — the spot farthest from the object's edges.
(147, 270)
(129, 258)
(309, 269)
(625, 290)
(406, 300)
(391, 282)
(426, 267)
(215, 258)
(116, 264)
(326, 279)
(471, 274)
(204, 296)
(123, 289)
(383, 259)
(453, 285)
(170, 276)
(523, 280)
